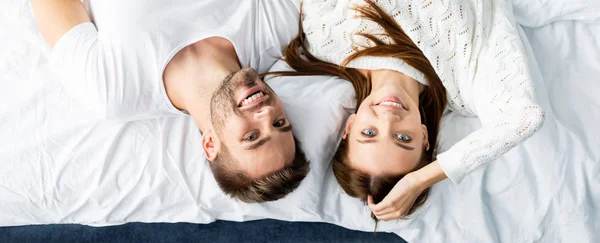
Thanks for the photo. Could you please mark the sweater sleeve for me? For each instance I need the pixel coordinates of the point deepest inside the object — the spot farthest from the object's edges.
(502, 95)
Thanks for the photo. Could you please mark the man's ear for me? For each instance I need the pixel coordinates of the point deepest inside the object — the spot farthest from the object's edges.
(425, 137)
(210, 145)
(348, 126)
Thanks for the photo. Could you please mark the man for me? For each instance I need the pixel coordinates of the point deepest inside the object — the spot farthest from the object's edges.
(153, 58)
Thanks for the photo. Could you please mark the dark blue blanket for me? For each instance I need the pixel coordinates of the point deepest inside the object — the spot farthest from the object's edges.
(220, 231)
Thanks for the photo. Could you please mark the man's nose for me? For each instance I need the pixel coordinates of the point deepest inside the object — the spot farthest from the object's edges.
(249, 70)
(264, 113)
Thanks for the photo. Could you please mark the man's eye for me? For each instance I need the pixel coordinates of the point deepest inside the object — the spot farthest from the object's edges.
(369, 132)
(251, 138)
(279, 123)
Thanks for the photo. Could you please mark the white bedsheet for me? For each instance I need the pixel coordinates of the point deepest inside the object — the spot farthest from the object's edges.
(58, 166)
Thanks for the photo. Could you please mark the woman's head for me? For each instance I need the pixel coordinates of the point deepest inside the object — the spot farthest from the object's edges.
(394, 130)
(385, 139)
(386, 136)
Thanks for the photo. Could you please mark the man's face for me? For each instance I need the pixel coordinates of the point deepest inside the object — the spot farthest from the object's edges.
(249, 119)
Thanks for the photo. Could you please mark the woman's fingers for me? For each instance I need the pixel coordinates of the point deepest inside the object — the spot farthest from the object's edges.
(391, 216)
(375, 208)
(370, 201)
(380, 209)
(381, 206)
(385, 211)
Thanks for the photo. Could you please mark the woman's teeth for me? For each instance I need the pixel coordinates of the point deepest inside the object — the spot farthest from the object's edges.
(252, 98)
(391, 103)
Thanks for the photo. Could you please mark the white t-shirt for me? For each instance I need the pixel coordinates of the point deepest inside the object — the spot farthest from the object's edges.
(116, 66)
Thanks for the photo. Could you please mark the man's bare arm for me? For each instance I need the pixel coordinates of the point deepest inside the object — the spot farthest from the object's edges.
(57, 17)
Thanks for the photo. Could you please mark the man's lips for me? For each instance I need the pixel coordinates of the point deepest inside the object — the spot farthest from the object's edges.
(253, 98)
(250, 95)
(252, 102)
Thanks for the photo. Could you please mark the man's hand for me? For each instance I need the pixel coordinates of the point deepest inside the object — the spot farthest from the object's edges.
(57, 17)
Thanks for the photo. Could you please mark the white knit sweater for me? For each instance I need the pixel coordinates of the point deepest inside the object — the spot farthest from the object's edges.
(475, 50)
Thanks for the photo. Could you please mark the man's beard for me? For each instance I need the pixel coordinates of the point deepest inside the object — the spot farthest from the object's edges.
(223, 103)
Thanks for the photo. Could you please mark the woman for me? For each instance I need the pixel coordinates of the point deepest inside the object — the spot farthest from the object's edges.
(405, 61)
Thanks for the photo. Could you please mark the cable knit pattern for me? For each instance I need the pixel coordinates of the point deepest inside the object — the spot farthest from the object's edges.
(475, 50)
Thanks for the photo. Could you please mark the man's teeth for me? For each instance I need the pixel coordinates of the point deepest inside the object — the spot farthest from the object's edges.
(252, 98)
(391, 103)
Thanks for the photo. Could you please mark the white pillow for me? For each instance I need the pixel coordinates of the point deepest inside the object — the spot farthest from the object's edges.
(317, 107)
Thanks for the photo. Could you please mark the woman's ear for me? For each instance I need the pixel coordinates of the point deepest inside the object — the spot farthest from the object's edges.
(210, 145)
(348, 125)
(425, 137)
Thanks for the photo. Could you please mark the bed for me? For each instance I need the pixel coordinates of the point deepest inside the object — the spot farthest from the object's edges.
(60, 166)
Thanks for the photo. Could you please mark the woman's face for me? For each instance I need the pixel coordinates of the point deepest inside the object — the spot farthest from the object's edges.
(386, 136)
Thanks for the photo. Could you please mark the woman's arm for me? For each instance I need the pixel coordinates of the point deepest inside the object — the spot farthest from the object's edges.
(503, 97)
(57, 17)
(510, 117)
(514, 122)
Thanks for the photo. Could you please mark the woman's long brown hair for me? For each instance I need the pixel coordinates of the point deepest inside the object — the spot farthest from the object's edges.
(432, 100)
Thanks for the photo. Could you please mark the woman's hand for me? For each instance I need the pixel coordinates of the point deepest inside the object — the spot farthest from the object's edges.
(401, 198)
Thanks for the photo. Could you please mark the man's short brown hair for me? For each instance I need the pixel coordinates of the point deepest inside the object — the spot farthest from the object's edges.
(271, 187)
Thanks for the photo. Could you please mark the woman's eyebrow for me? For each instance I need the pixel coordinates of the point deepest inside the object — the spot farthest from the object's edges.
(374, 141)
(404, 146)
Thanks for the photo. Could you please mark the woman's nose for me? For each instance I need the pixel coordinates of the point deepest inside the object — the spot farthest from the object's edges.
(389, 116)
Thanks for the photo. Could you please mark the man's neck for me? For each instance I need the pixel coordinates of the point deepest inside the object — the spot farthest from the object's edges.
(195, 72)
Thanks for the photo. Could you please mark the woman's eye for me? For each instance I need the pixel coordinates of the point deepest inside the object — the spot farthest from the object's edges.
(403, 137)
(251, 138)
(279, 123)
(369, 132)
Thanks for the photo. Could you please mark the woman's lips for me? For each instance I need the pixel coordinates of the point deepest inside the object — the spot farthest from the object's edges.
(392, 102)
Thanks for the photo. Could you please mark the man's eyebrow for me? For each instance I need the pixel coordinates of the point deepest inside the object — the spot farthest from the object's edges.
(373, 141)
(287, 128)
(258, 144)
(261, 142)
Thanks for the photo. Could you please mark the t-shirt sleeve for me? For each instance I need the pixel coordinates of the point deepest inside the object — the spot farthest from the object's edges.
(76, 61)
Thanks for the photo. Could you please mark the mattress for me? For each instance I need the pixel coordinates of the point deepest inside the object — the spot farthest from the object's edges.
(59, 165)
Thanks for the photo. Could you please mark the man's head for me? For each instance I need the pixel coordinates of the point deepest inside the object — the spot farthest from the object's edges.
(251, 149)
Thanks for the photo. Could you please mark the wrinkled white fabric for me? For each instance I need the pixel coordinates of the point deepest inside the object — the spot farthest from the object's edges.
(57, 165)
